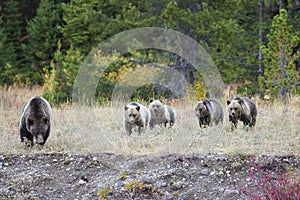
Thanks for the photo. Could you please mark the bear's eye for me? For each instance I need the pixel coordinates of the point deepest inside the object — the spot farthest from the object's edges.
(132, 115)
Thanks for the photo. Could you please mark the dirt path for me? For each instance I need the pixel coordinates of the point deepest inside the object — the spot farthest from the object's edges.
(72, 176)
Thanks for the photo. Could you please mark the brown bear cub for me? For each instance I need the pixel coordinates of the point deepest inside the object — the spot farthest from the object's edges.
(208, 112)
(35, 121)
(136, 115)
(242, 109)
(161, 114)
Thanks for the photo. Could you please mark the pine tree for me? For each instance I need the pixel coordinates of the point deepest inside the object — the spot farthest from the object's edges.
(59, 80)
(43, 35)
(281, 77)
(13, 57)
(81, 26)
(2, 52)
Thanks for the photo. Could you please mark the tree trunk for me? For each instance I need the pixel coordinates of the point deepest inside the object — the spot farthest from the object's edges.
(283, 63)
(283, 89)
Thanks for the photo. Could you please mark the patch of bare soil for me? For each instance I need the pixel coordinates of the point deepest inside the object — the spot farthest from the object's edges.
(110, 176)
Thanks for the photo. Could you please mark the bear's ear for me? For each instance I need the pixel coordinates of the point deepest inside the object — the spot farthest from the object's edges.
(205, 102)
(228, 102)
(151, 100)
(160, 100)
(126, 108)
(138, 108)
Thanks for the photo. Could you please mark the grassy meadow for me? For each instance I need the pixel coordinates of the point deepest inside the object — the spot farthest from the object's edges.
(100, 129)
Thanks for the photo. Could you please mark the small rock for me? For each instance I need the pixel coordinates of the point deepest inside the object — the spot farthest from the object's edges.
(81, 182)
(230, 193)
(236, 164)
(178, 185)
(148, 180)
(212, 173)
(205, 172)
(67, 162)
(160, 184)
(163, 184)
(137, 164)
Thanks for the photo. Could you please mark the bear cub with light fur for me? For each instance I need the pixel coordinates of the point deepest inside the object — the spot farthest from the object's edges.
(35, 121)
(208, 112)
(136, 116)
(161, 114)
(242, 109)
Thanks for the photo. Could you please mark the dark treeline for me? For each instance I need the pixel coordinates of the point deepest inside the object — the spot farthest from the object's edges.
(44, 41)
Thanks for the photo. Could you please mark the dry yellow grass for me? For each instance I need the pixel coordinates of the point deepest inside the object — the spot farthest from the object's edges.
(100, 129)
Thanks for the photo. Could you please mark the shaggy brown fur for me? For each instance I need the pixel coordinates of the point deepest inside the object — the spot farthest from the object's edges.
(35, 121)
(209, 111)
(161, 114)
(136, 115)
(242, 109)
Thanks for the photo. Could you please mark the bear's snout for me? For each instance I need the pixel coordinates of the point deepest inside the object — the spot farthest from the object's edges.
(131, 119)
(40, 139)
(155, 109)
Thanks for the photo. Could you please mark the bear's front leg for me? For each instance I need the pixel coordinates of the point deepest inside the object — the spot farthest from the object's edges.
(233, 123)
(141, 129)
(128, 128)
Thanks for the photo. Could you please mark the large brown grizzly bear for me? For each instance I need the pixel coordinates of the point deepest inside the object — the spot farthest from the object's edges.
(136, 115)
(161, 114)
(243, 109)
(35, 121)
(209, 111)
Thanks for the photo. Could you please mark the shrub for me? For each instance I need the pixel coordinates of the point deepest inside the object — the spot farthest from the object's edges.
(276, 185)
(102, 193)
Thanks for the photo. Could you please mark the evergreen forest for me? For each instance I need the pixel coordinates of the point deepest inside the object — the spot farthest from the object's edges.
(254, 43)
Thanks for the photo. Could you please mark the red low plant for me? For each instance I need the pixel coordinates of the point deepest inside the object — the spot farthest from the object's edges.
(276, 184)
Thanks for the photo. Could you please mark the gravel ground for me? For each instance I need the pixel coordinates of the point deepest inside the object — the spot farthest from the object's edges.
(110, 176)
